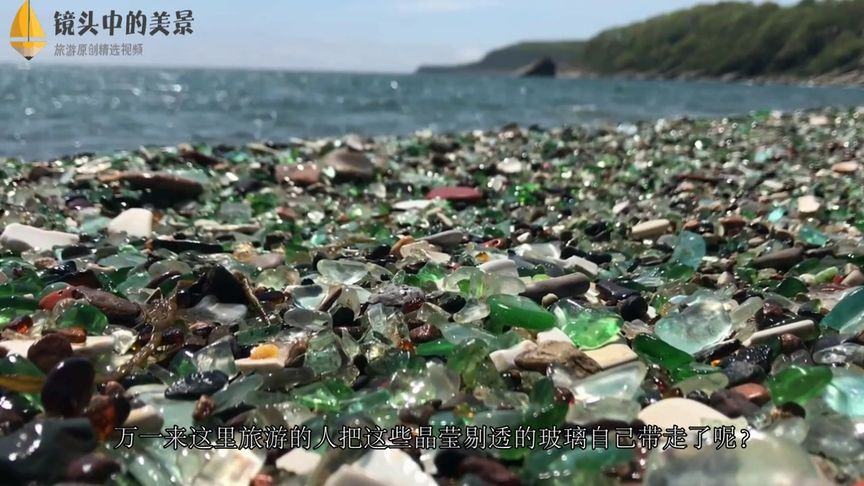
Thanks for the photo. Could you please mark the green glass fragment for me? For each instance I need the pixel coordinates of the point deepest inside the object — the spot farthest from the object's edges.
(517, 311)
(790, 287)
(323, 354)
(19, 303)
(84, 315)
(656, 351)
(587, 328)
(678, 271)
(20, 375)
(366, 402)
(798, 384)
(440, 347)
(323, 396)
(690, 249)
(256, 335)
(845, 394)
(812, 236)
(848, 315)
(471, 360)
(776, 215)
(826, 275)
(183, 364)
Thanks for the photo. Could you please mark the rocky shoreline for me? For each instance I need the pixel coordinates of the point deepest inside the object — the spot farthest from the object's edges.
(518, 306)
(852, 79)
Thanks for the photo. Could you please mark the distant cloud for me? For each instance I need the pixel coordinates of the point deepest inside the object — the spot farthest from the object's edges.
(443, 6)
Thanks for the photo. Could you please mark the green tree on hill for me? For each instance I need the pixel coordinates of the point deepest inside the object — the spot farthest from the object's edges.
(728, 38)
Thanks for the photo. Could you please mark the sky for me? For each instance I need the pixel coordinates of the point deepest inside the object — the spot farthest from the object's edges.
(339, 35)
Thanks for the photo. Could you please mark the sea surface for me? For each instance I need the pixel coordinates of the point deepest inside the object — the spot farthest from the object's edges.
(49, 111)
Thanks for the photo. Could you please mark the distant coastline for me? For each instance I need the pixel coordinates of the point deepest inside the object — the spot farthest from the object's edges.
(808, 44)
(848, 79)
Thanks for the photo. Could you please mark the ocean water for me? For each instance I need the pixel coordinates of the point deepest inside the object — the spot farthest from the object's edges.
(49, 111)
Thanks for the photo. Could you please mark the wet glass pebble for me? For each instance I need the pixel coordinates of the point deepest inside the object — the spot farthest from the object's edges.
(196, 384)
(49, 350)
(68, 387)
